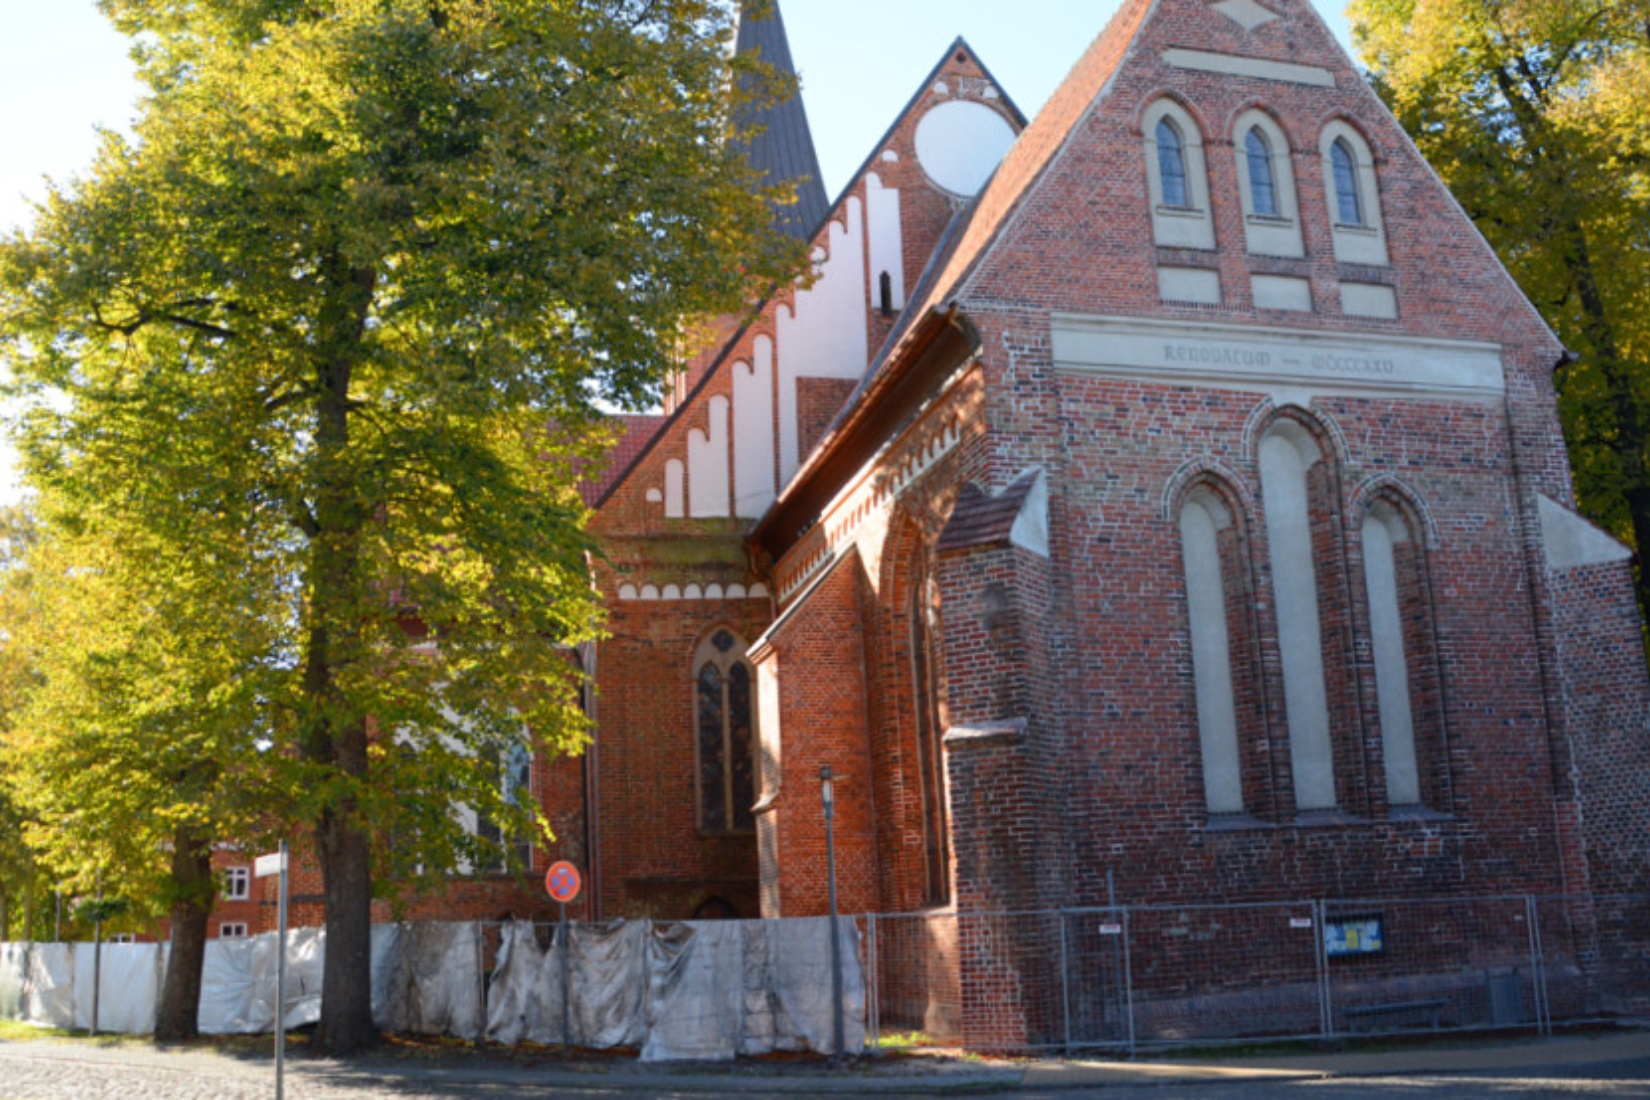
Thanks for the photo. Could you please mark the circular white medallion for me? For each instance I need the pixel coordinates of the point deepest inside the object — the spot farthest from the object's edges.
(960, 144)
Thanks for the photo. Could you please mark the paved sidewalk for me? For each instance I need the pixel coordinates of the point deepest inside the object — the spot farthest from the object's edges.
(1569, 1051)
(54, 1069)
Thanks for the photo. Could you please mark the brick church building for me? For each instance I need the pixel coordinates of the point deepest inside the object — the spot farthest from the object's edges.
(1162, 499)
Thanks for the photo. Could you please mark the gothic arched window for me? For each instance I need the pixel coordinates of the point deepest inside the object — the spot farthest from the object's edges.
(1349, 207)
(1171, 165)
(1288, 457)
(1271, 208)
(724, 718)
(1177, 178)
(936, 831)
(1354, 194)
(1202, 521)
(1263, 189)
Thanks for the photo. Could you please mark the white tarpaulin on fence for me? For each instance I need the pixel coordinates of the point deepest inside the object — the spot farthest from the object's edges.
(14, 963)
(128, 985)
(691, 991)
(696, 987)
(226, 988)
(306, 953)
(427, 979)
(606, 964)
(721, 989)
(49, 999)
(609, 969)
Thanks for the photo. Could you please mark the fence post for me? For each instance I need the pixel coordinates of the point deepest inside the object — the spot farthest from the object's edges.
(481, 978)
(1128, 975)
(1538, 967)
(1065, 975)
(1320, 932)
(873, 985)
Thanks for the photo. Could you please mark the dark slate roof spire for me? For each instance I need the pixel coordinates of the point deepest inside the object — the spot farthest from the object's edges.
(784, 150)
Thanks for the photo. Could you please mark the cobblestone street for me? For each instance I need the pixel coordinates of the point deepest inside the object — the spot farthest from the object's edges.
(50, 1069)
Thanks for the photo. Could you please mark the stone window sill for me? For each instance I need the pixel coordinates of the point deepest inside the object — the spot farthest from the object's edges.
(1417, 813)
(1317, 819)
(1236, 823)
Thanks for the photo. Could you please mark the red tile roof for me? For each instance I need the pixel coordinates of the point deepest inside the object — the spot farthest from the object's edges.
(638, 432)
(981, 520)
(1038, 146)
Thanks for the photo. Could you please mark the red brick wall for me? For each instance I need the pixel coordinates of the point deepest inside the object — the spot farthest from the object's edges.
(821, 660)
(817, 403)
(655, 861)
(1607, 714)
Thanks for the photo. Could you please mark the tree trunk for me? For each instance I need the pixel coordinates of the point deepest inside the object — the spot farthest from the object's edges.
(178, 1018)
(1629, 439)
(30, 889)
(346, 1025)
(337, 736)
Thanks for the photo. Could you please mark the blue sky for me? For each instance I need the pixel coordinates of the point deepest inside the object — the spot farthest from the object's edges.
(64, 71)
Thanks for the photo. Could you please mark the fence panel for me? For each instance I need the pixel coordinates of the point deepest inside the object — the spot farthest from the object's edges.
(1432, 965)
(917, 1000)
(1596, 957)
(1096, 998)
(1221, 973)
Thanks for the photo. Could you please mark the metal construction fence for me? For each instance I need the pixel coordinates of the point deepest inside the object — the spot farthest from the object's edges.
(1119, 979)
(1131, 977)
(691, 990)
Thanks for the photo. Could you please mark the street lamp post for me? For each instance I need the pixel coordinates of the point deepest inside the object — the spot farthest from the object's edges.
(827, 796)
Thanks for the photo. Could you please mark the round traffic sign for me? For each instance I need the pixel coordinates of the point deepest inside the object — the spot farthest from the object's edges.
(562, 882)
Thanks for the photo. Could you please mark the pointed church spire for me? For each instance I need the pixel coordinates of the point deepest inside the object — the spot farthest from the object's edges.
(784, 150)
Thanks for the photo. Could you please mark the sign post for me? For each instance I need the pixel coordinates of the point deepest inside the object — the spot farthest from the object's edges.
(275, 864)
(562, 883)
(828, 797)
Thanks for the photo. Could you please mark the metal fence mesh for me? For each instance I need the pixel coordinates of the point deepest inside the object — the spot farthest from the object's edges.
(1141, 976)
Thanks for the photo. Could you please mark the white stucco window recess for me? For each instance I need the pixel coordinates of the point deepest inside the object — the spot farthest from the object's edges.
(1177, 177)
(1266, 182)
(1354, 197)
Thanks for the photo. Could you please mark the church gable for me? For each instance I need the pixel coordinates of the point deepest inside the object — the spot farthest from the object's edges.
(1226, 162)
(766, 397)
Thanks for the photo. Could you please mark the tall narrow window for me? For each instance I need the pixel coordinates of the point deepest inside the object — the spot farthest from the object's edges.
(1202, 520)
(1171, 166)
(930, 758)
(1287, 455)
(726, 736)
(515, 766)
(1263, 189)
(1382, 531)
(1349, 207)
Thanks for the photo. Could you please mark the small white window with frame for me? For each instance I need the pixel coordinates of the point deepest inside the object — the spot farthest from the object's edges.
(120, 937)
(1266, 182)
(237, 883)
(1177, 177)
(1354, 196)
(232, 930)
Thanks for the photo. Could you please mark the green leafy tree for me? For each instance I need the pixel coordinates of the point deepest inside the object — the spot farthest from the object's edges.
(1537, 114)
(326, 343)
(133, 746)
(22, 878)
